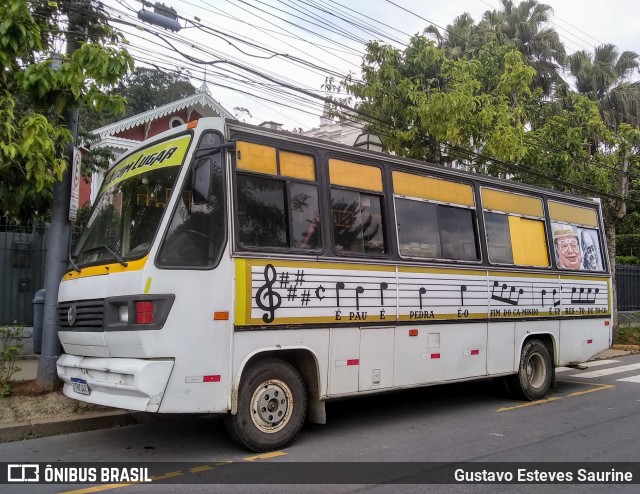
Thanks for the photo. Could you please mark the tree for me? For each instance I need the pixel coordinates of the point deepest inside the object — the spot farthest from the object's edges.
(420, 102)
(460, 39)
(524, 27)
(604, 77)
(37, 86)
(147, 88)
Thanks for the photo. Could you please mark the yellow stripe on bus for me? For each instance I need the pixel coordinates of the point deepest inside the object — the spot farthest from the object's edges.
(104, 269)
(297, 166)
(573, 214)
(355, 175)
(408, 184)
(506, 202)
(256, 158)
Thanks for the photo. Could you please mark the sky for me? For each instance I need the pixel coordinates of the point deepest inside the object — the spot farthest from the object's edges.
(299, 43)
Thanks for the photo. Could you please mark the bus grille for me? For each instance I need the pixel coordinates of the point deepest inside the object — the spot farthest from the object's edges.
(89, 315)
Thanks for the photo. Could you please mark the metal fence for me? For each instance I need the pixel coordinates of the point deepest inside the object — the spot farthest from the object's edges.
(628, 287)
(22, 261)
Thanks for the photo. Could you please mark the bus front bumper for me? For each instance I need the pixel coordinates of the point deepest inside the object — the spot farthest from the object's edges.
(131, 384)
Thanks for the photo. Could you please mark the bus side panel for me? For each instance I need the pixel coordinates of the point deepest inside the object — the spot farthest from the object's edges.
(580, 340)
(440, 352)
(500, 358)
(200, 381)
(376, 358)
(344, 358)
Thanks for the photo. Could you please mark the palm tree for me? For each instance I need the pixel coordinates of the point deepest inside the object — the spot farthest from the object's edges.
(459, 39)
(604, 77)
(523, 26)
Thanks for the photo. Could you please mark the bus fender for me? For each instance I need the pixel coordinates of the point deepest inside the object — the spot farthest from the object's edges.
(306, 363)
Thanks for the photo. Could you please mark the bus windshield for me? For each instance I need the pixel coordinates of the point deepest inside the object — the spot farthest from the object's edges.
(130, 205)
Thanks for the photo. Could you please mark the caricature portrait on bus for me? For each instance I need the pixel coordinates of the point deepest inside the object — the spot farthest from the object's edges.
(576, 248)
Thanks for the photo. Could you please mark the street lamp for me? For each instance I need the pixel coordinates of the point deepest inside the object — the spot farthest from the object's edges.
(368, 141)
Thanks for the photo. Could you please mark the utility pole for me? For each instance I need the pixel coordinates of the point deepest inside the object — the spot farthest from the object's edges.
(58, 239)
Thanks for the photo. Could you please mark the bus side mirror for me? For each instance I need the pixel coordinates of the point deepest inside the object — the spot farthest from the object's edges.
(201, 181)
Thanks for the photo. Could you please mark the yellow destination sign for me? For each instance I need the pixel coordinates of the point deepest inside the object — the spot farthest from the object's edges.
(165, 154)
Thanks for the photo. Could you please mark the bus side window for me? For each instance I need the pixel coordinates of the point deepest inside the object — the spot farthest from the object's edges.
(356, 207)
(576, 239)
(515, 228)
(442, 230)
(357, 222)
(279, 210)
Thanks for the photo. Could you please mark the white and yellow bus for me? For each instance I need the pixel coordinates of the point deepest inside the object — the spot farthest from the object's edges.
(231, 269)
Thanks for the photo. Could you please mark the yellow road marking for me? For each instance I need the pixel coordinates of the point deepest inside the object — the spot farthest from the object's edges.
(596, 387)
(529, 404)
(599, 387)
(265, 456)
(97, 488)
(167, 475)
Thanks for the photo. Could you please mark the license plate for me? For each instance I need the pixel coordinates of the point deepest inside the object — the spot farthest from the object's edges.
(80, 386)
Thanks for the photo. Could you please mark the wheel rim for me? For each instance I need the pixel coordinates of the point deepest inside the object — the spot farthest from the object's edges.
(271, 406)
(536, 371)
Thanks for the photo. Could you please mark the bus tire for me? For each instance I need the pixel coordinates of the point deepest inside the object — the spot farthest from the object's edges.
(272, 406)
(535, 372)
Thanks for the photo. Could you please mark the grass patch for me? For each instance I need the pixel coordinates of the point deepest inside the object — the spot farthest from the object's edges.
(628, 335)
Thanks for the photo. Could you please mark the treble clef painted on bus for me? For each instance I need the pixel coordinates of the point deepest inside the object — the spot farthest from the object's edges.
(267, 298)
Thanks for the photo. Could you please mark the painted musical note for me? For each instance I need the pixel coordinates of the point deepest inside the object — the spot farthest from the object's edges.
(359, 290)
(421, 292)
(383, 287)
(553, 293)
(266, 298)
(502, 298)
(587, 295)
(339, 286)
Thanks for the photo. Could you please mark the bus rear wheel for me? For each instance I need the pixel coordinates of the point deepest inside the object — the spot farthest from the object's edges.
(272, 406)
(535, 372)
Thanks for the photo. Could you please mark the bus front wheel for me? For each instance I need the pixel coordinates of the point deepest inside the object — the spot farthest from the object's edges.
(272, 405)
(535, 372)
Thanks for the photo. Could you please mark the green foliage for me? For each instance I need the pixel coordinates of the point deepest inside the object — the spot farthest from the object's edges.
(628, 334)
(146, 89)
(10, 346)
(36, 88)
(492, 96)
(418, 98)
(632, 260)
(628, 244)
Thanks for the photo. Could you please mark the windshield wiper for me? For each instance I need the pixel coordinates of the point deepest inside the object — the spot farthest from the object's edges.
(73, 264)
(111, 251)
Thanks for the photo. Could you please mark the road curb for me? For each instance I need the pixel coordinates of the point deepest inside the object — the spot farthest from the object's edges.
(17, 431)
(631, 348)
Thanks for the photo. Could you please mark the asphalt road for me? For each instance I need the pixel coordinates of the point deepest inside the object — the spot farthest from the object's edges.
(592, 416)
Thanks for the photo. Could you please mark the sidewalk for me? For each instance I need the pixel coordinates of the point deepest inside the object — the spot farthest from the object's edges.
(32, 413)
(56, 414)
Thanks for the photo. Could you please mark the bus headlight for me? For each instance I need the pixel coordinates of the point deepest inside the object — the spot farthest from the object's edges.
(123, 313)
